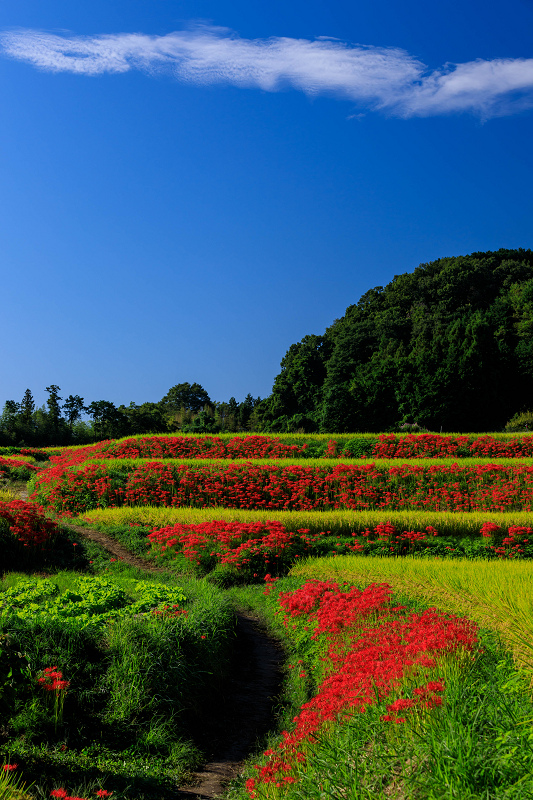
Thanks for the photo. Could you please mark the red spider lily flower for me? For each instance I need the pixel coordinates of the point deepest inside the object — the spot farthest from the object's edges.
(10, 767)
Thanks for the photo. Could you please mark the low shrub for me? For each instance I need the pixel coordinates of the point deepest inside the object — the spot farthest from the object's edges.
(521, 422)
(27, 536)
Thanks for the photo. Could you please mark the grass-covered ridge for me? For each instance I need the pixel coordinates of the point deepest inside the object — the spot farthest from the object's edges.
(389, 701)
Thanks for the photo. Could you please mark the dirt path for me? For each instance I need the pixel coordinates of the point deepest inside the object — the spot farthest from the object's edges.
(245, 712)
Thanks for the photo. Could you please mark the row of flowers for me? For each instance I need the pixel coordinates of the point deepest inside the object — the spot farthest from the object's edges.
(371, 648)
(253, 548)
(434, 445)
(16, 469)
(383, 446)
(490, 487)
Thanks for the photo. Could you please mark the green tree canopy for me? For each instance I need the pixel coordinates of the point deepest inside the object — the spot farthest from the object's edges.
(449, 345)
(191, 397)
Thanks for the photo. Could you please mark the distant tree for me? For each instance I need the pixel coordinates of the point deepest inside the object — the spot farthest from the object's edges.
(146, 418)
(192, 397)
(204, 422)
(108, 421)
(298, 387)
(226, 415)
(8, 422)
(244, 412)
(54, 409)
(74, 408)
(182, 403)
(27, 407)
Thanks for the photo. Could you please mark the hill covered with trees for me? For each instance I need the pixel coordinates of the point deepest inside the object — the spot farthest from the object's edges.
(448, 346)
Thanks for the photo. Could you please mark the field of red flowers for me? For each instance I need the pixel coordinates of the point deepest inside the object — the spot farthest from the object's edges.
(368, 649)
(428, 445)
(435, 487)
(373, 676)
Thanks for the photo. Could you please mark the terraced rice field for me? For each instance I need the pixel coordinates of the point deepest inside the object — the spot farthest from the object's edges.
(377, 682)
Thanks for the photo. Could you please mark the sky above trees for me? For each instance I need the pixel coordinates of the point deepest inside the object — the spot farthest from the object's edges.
(188, 188)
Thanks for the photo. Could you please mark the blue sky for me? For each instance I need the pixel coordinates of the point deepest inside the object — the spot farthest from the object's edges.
(187, 188)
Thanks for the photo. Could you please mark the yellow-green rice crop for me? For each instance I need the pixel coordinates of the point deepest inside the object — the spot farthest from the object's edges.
(495, 594)
(380, 463)
(345, 521)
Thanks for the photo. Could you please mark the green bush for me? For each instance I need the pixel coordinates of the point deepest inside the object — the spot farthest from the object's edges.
(521, 422)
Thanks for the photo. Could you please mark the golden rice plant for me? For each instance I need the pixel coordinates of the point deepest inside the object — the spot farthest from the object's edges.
(495, 594)
(343, 522)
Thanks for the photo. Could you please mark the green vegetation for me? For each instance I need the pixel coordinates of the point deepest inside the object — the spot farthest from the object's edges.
(432, 349)
(137, 671)
(110, 676)
(497, 595)
(476, 745)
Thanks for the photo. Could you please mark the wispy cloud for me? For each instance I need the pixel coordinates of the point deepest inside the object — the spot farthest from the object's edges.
(376, 78)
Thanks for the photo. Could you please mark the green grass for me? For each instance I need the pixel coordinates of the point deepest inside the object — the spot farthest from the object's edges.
(139, 691)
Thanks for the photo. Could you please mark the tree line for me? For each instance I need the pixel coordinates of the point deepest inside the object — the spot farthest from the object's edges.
(61, 421)
(447, 347)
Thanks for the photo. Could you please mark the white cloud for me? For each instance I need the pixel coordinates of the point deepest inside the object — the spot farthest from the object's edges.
(386, 79)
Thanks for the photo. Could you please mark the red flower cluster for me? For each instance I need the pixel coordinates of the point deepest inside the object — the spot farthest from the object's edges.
(62, 793)
(424, 696)
(365, 664)
(433, 445)
(399, 542)
(203, 447)
(510, 546)
(34, 452)
(254, 545)
(7, 464)
(270, 583)
(491, 487)
(169, 611)
(52, 680)
(27, 522)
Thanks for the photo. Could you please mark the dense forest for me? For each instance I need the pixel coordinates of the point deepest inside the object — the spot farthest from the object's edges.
(447, 347)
